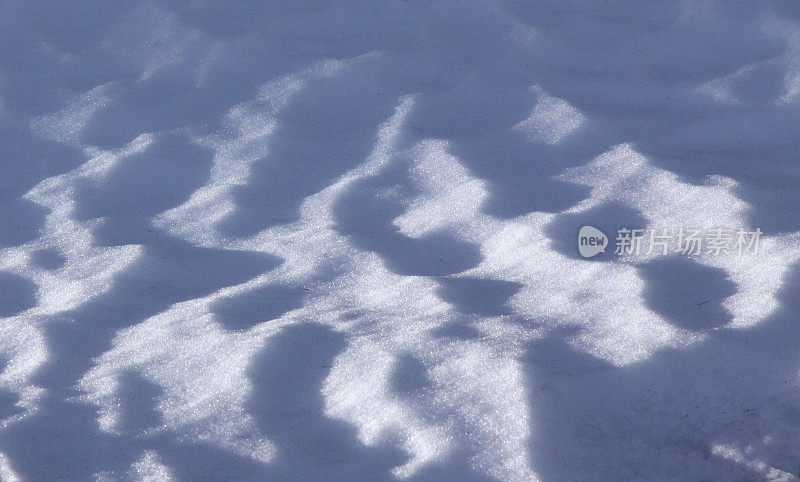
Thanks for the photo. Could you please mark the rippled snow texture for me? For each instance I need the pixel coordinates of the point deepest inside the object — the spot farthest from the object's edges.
(300, 240)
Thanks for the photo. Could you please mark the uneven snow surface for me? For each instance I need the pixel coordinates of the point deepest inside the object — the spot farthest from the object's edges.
(336, 240)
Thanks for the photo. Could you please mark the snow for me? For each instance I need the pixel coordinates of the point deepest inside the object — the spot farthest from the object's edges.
(298, 240)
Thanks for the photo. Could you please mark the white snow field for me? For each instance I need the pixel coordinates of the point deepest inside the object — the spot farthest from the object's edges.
(338, 240)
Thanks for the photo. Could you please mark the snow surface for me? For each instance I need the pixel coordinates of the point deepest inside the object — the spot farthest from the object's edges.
(335, 240)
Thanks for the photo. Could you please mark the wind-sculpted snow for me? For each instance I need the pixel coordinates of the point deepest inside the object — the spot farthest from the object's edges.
(337, 240)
